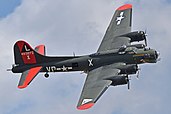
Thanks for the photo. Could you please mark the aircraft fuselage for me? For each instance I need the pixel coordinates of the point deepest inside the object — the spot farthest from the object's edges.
(88, 62)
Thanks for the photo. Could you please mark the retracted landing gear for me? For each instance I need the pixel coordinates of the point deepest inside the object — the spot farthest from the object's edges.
(46, 75)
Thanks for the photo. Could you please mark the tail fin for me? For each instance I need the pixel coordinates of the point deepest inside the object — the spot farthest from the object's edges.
(24, 53)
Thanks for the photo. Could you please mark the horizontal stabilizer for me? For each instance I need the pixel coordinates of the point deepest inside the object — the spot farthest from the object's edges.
(28, 76)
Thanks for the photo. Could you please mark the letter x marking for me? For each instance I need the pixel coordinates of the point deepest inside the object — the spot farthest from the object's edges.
(90, 62)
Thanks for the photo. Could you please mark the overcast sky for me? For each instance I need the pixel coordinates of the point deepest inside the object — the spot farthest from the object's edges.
(67, 26)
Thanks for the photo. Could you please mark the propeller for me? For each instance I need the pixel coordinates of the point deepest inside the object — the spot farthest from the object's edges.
(159, 59)
(145, 37)
(138, 73)
(137, 69)
(74, 54)
(145, 40)
(157, 56)
(128, 84)
(144, 34)
(128, 81)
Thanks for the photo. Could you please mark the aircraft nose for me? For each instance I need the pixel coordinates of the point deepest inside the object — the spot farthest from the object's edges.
(157, 54)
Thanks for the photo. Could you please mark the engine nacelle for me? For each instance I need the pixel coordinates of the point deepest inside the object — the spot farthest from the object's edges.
(119, 80)
(128, 69)
(136, 36)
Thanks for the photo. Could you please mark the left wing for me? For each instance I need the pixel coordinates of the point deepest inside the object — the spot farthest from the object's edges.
(120, 24)
(95, 85)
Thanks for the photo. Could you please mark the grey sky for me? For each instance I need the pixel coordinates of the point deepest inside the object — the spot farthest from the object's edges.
(78, 26)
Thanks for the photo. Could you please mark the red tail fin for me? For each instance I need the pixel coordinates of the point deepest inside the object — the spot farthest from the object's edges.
(40, 49)
(24, 53)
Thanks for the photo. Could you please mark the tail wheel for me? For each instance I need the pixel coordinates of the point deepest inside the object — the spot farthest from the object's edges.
(46, 75)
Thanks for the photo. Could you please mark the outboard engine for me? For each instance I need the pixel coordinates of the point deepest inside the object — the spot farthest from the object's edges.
(119, 80)
(136, 36)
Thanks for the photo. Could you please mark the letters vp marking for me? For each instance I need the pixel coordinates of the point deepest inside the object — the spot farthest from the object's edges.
(55, 69)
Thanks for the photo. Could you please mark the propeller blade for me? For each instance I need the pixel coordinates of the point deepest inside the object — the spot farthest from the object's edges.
(145, 35)
(128, 81)
(145, 32)
(128, 84)
(138, 72)
(159, 59)
(145, 40)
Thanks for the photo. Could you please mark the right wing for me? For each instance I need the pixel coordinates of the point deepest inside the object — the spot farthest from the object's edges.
(119, 25)
(95, 85)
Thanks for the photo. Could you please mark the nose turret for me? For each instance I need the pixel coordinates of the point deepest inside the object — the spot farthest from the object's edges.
(147, 56)
(157, 54)
(154, 55)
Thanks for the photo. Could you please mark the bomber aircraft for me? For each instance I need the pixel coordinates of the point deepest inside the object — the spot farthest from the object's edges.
(115, 60)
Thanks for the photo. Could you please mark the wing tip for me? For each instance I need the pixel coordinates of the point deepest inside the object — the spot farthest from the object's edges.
(22, 86)
(85, 106)
(124, 7)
